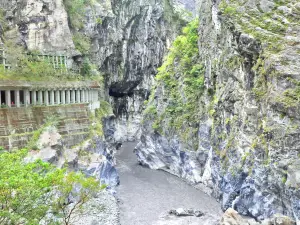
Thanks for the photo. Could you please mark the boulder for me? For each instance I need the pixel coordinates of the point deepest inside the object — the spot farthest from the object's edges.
(186, 212)
(231, 217)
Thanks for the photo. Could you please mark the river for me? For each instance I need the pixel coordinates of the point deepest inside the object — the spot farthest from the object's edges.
(146, 195)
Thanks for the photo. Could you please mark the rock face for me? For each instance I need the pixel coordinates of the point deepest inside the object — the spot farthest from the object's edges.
(242, 147)
(128, 46)
(105, 169)
(94, 157)
(128, 40)
(39, 25)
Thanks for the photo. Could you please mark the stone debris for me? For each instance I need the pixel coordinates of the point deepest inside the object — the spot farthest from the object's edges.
(186, 212)
(232, 217)
(102, 210)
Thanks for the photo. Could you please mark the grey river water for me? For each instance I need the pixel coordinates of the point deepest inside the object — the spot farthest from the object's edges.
(147, 195)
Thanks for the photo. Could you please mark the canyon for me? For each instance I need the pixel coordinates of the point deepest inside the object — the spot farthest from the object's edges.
(205, 90)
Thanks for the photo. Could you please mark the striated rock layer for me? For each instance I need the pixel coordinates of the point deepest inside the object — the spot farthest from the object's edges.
(242, 147)
(128, 46)
(125, 40)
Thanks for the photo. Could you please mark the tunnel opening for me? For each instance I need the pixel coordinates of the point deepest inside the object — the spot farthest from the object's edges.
(123, 89)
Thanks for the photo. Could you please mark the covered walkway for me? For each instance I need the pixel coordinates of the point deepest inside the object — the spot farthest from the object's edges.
(24, 94)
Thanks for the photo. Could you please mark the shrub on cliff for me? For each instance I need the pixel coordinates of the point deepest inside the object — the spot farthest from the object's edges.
(35, 192)
(76, 12)
(182, 78)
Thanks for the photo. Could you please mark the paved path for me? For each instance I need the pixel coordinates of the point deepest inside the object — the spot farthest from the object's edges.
(147, 195)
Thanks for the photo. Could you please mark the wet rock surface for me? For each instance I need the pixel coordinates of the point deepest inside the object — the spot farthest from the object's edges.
(146, 196)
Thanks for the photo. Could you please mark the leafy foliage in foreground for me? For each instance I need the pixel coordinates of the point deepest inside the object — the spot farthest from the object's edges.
(30, 192)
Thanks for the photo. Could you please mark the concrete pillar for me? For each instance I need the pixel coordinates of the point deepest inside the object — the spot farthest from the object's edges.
(46, 98)
(26, 98)
(57, 95)
(90, 95)
(52, 97)
(17, 98)
(63, 97)
(40, 97)
(93, 96)
(33, 97)
(96, 96)
(73, 96)
(86, 95)
(78, 96)
(82, 96)
(68, 97)
(7, 98)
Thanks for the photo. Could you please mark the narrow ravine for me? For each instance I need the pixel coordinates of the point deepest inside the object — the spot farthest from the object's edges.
(147, 195)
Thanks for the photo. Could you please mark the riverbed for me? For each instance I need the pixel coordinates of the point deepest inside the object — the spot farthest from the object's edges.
(146, 196)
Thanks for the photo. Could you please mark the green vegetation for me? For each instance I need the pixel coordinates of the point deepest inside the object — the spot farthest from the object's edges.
(169, 13)
(29, 66)
(99, 21)
(261, 86)
(28, 70)
(290, 97)
(183, 79)
(176, 18)
(30, 192)
(258, 24)
(97, 127)
(270, 28)
(3, 22)
(76, 11)
(82, 43)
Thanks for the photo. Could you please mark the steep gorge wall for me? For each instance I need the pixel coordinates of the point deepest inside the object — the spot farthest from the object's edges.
(127, 46)
(241, 143)
(126, 41)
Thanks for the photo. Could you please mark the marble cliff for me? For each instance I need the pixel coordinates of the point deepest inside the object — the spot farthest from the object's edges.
(222, 112)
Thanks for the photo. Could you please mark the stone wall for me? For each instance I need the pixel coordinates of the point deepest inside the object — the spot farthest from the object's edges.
(17, 125)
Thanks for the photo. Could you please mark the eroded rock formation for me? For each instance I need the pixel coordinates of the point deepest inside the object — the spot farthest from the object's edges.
(243, 145)
(128, 46)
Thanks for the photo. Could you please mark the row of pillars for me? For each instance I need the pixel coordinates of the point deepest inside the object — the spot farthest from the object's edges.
(18, 98)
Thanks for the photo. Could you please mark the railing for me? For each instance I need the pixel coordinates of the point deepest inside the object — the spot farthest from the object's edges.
(59, 62)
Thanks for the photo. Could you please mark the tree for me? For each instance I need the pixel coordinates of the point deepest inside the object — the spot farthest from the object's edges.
(73, 192)
(31, 191)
